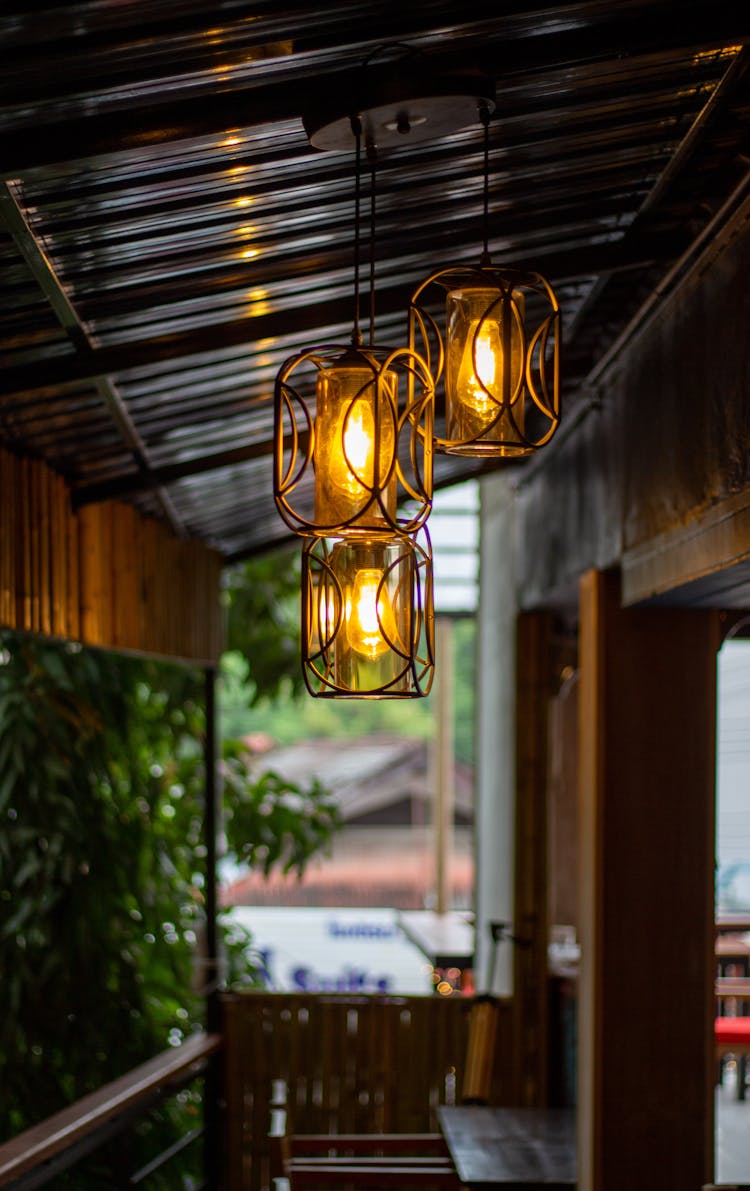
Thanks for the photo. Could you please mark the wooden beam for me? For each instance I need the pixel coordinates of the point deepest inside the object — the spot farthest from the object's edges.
(699, 552)
(44, 274)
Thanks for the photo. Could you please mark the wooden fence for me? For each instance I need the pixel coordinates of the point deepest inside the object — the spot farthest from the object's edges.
(349, 1063)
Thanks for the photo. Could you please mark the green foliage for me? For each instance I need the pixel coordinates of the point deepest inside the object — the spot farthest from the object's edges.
(271, 822)
(98, 911)
(101, 865)
(263, 622)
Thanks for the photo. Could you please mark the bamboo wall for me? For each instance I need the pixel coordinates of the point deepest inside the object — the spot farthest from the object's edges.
(105, 575)
(350, 1064)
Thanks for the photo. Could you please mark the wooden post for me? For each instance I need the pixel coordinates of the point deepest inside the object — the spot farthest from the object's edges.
(646, 789)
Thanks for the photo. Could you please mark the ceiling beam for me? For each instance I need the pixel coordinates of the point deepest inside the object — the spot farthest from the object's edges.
(41, 268)
(671, 176)
(121, 486)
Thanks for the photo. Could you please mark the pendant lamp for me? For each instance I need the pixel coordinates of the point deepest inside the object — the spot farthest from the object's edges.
(367, 616)
(498, 350)
(354, 433)
(353, 428)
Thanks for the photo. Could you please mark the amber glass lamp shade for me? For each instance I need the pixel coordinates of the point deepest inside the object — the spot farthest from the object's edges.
(356, 426)
(367, 621)
(484, 369)
(353, 438)
(499, 351)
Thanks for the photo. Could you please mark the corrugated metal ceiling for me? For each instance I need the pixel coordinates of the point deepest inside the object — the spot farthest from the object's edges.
(171, 237)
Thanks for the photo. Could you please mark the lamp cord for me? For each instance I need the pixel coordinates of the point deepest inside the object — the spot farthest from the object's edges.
(484, 116)
(372, 157)
(356, 124)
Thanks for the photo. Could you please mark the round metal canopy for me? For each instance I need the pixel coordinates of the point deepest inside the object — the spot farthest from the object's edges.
(405, 104)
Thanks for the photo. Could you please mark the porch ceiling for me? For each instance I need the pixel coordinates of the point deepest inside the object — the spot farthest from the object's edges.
(168, 236)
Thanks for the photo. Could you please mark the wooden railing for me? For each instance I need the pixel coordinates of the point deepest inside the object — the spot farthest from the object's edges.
(39, 1154)
(349, 1064)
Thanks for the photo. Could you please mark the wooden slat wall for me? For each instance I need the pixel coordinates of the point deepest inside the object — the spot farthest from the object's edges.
(105, 576)
(351, 1064)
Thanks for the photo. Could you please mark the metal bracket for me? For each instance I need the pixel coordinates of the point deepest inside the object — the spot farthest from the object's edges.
(500, 932)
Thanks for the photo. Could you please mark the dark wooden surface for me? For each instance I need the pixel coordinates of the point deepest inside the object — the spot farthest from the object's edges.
(356, 1064)
(524, 1148)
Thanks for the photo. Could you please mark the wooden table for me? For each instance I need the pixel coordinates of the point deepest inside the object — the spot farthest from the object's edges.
(522, 1148)
(447, 940)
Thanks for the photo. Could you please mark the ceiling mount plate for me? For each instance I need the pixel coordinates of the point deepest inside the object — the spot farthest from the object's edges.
(401, 105)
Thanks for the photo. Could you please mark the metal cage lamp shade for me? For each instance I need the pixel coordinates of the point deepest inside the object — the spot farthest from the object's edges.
(367, 448)
(499, 353)
(367, 616)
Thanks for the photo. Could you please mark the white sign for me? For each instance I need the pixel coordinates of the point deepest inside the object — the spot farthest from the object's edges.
(334, 950)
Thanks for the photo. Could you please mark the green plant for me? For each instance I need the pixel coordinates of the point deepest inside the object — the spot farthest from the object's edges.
(102, 856)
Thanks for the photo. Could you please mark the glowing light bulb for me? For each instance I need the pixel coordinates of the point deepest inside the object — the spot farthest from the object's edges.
(358, 447)
(354, 483)
(481, 366)
(484, 377)
(369, 615)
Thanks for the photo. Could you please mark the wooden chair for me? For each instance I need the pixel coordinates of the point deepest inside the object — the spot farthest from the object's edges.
(480, 1050)
(309, 1162)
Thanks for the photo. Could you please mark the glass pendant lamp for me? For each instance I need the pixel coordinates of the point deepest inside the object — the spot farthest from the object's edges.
(498, 351)
(367, 618)
(348, 462)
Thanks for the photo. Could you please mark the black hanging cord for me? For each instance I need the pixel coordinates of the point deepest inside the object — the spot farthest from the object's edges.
(484, 116)
(357, 130)
(372, 157)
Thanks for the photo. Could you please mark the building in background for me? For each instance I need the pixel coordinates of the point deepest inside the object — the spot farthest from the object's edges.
(384, 855)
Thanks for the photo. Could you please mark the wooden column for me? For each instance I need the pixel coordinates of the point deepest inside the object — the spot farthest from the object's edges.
(646, 785)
